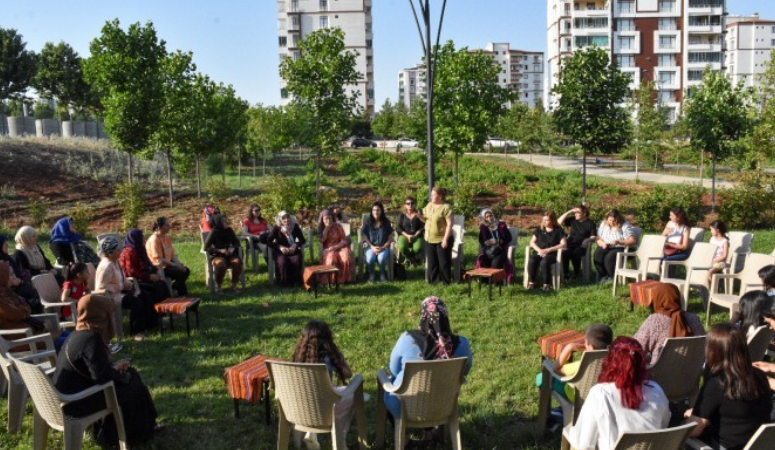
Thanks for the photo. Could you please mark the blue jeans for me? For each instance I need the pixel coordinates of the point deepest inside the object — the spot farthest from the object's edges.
(680, 256)
(383, 258)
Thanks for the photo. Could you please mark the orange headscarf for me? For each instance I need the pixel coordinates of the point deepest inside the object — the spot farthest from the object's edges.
(95, 312)
(666, 300)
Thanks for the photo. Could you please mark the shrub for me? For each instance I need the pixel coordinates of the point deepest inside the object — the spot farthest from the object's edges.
(214, 164)
(463, 200)
(38, 211)
(280, 193)
(751, 203)
(43, 111)
(349, 165)
(652, 209)
(131, 200)
(82, 216)
(217, 190)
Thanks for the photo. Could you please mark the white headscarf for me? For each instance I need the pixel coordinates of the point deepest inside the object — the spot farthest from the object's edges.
(24, 244)
(279, 222)
(494, 225)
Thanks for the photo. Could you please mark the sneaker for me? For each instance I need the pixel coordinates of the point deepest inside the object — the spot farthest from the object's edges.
(371, 278)
(382, 278)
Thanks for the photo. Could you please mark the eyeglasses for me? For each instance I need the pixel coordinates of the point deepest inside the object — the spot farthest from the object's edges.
(410, 203)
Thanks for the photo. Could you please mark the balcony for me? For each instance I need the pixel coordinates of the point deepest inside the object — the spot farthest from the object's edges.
(704, 24)
(601, 10)
(712, 8)
(704, 47)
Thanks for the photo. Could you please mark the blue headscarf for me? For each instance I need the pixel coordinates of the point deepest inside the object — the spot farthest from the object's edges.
(61, 232)
(134, 239)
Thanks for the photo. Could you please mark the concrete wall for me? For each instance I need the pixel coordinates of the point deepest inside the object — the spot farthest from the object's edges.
(47, 127)
(28, 126)
(91, 129)
(15, 126)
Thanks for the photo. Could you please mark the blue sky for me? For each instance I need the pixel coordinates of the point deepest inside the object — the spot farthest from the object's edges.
(235, 41)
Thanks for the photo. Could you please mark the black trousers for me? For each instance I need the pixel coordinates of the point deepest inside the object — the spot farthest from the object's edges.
(605, 260)
(178, 278)
(439, 263)
(574, 254)
(498, 262)
(544, 264)
(156, 291)
(142, 315)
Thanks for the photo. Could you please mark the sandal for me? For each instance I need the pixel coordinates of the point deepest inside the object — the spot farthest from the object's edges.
(139, 337)
(546, 288)
(531, 285)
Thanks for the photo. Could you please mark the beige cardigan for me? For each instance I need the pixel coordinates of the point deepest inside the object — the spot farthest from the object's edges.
(109, 280)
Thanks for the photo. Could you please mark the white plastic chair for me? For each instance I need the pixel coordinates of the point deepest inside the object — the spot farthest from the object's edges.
(50, 296)
(761, 440)
(679, 367)
(759, 342)
(697, 266)
(666, 439)
(557, 271)
(749, 276)
(49, 408)
(651, 249)
(511, 252)
(739, 249)
(696, 234)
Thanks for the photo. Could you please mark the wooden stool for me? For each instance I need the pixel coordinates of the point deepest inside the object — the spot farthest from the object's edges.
(494, 275)
(249, 381)
(180, 306)
(312, 273)
(553, 343)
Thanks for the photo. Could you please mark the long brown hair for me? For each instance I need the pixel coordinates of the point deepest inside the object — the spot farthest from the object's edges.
(552, 219)
(727, 357)
(315, 343)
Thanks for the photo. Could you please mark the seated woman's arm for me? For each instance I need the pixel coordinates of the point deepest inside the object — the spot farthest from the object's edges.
(506, 236)
(708, 403)
(299, 235)
(684, 245)
(534, 244)
(629, 237)
(483, 236)
(464, 350)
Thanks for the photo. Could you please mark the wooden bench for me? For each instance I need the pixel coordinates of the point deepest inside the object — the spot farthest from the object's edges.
(179, 306)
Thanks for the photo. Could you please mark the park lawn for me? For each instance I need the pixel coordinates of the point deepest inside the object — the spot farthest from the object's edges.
(498, 405)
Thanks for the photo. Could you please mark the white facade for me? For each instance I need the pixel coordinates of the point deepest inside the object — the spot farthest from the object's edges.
(749, 45)
(298, 18)
(669, 42)
(522, 72)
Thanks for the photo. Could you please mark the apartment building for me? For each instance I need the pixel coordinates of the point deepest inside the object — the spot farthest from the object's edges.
(749, 45)
(521, 71)
(297, 18)
(668, 42)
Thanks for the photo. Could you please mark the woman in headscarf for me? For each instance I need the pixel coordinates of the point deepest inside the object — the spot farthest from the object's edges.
(84, 362)
(336, 247)
(19, 279)
(110, 281)
(223, 246)
(286, 241)
(494, 239)
(29, 256)
(432, 340)
(667, 321)
(64, 240)
(135, 263)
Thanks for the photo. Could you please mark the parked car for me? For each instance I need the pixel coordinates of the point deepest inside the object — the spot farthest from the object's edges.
(362, 142)
(406, 143)
(496, 142)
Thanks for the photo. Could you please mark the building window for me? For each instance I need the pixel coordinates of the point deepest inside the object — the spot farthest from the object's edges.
(368, 43)
(591, 22)
(296, 56)
(281, 24)
(295, 23)
(667, 42)
(666, 60)
(704, 57)
(294, 6)
(696, 75)
(284, 93)
(626, 60)
(667, 24)
(625, 6)
(368, 27)
(598, 41)
(626, 25)
(536, 68)
(704, 21)
(283, 41)
(370, 93)
(666, 5)
(323, 21)
(590, 6)
(772, 42)
(324, 5)
(667, 78)
(524, 76)
(625, 42)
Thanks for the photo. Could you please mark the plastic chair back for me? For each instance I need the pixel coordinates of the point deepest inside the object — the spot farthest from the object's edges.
(429, 390)
(667, 439)
(759, 342)
(304, 391)
(679, 367)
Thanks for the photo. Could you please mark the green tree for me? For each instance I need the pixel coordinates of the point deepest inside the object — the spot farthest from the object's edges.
(760, 143)
(400, 120)
(268, 132)
(591, 90)
(60, 75)
(318, 81)
(383, 124)
(17, 65)
(650, 125)
(126, 68)
(531, 128)
(717, 114)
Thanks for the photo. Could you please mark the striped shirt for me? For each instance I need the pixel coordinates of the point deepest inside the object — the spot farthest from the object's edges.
(609, 234)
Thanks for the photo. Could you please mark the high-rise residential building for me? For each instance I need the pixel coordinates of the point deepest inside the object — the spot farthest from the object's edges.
(521, 71)
(297, 18)
(668, 42)
(749, 45)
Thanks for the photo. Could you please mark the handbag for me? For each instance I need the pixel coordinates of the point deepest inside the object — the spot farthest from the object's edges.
(493, 251)
(670, 251)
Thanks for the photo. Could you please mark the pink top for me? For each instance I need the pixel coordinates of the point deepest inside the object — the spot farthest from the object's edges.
(255, 228)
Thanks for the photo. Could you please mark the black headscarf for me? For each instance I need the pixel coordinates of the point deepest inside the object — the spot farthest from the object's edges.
(135, 240)
(219, 222)
(434, 336)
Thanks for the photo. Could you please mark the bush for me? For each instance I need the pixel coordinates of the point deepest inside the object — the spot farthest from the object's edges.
(214, 164)
(217, 190)
(463, 200)
(279, 193)
(43, 111)
(555, 191)
(349, 165)
(131, 200)
(82, 216)
(38, 211)
(652, 209)
(751, 203)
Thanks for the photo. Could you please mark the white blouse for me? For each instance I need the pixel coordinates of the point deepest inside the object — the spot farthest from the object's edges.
(603, 419)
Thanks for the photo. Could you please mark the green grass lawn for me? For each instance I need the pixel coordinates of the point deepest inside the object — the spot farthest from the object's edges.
(498, 405)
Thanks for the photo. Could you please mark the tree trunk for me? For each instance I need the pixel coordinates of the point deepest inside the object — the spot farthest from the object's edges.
(198, 180)
(239, 165)
(713, 183)
(317, 179)
(702, 166)
(636, 162)
(584, 176)
(263, 169)
(169, 177)
(255, 161)
(223, 167)
(457, 171)
(131, 168)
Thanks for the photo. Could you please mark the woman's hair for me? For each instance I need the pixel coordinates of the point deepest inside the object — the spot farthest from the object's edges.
(680, 214)
(72, 270)
(767, 274)
(726, 355)
(754, 307)
(315, 343)
(618, 217)
(381, 213)
(552, 219)
(409, 198)
(584, 210)
(625, 367)
(160, 222)
(442, 192)
(720, 226)
(250, 211)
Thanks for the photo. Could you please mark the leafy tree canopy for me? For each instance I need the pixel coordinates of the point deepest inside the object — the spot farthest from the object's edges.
(17, 65)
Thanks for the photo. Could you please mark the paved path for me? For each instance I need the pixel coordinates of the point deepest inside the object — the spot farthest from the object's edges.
(563, 163)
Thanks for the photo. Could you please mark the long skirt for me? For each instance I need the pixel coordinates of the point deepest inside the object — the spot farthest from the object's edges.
(342, 259)
(137, 409)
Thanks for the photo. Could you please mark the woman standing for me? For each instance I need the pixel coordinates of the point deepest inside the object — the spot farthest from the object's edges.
(223, 246)
(29, 256)
(410, 229)
(494, 239)
(84, 362)
(624, 400)
(286, 241)
(135, 263)
(378, 234)
(582, 234)
(735, 397)
(613, 236)
(336, 247)
(438, 236)
(547, 240)
(162, 255)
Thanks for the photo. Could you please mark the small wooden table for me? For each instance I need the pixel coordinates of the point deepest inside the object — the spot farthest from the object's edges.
(493, 275)
(311, 274)
(178, 306)
(553, 343)
(249, 381)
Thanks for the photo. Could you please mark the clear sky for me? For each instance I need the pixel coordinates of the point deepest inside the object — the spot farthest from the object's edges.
(235, 41)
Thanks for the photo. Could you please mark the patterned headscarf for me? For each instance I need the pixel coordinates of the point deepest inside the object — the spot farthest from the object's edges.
(108, 245)
(134, 239)
(494, 224)
(321, 226)
(24, 244)
(434, 336)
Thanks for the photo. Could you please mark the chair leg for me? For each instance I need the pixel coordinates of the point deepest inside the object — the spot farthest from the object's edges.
(616, 279)
(400, 434)
(379, 440)
(17, 397)
(283, 430)
(454, 432)
(544, 401)
(298, 438)
(360, 419)
(564, 445)
(73, 435)
(39, 431)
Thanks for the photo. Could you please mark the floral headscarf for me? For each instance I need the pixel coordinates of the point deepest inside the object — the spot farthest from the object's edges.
(434, 336)
(321, 226)
(494, 224)
(279, 222)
